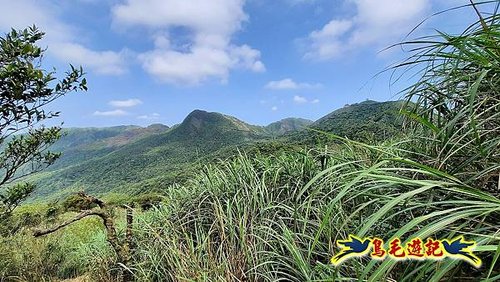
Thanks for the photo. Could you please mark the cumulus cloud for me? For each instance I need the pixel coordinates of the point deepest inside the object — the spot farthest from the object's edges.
(200, 63)
(112, 113)
(303, 100)
(61, 38)
(376, 22)
(125, 103)
(209, 27)
(289, 84)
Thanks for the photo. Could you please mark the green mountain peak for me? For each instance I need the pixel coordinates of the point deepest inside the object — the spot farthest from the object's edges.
(288, 125)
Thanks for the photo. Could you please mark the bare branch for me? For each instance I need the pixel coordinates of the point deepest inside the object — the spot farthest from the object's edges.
(123, 250)
(80, 216)
(107, 221)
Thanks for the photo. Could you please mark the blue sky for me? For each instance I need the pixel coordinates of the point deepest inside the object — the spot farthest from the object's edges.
(154, 61)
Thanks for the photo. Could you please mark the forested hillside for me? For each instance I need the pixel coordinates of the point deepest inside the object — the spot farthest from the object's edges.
(368, 120)
(288, 125)
(134, 160)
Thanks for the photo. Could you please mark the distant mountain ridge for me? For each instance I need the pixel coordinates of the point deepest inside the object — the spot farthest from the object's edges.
(368, 120)
(133, 159)
(288, 125)
(208, 125)
(137, 158)
(80, 143)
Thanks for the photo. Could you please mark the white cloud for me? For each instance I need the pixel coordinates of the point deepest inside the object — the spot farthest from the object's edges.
(299, 99)
(102, 62)
(303, 100)
(153, 116)
(113, 113)
(286, 83)
(23, 13)
(274, 108)
(125, 103)
(61, 38)
(289, 84)
(376, 22)
(201, 63)
(210, 16)
(209, 27)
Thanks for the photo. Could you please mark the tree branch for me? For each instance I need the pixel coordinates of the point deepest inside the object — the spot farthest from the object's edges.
(80, 216)
(122, 250)
(92, 199)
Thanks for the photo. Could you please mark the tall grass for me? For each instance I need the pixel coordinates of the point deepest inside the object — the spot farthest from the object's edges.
(277, 218)
(458, 98)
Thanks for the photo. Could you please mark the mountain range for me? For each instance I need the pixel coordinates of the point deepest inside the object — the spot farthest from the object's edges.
(134, 160)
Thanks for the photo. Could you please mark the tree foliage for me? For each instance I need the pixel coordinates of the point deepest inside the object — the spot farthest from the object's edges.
(25, 90)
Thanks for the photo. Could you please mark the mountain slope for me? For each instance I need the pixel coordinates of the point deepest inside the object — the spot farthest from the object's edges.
(154, 159)
(131, 159)
(288, 125)
(368, 120)
(81, 144)
(212, 126)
